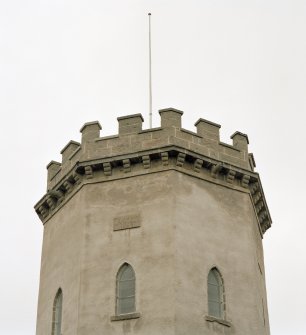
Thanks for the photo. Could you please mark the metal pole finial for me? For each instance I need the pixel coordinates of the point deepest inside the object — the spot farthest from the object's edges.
(150, 73)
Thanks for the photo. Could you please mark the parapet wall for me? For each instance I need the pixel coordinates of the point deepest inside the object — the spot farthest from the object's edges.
(199, 152)
(131, 138)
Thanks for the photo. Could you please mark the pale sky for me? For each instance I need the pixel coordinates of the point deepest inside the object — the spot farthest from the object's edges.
(239, 63)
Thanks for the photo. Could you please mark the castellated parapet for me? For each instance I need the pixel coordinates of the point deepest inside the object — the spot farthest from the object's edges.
(135, 151)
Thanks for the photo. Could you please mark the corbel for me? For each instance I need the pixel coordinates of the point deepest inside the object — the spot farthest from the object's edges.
(256, 198)
(215, 168)
(107, 168)
(126, 165)
(262, 216)
(51, 202)
(265, 225)
(198, 163)
(259, 206)
(230, 176)
(43, 211)
(76, 178)
(88, 172)
(146, 161)
(68, 186)
(180, 159)
(57, 194)
(254, 187)
(245, 180)
(165, 158)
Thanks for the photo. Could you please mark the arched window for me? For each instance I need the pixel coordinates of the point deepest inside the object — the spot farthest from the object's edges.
(215, 292)
(125, 295)
(57, 313)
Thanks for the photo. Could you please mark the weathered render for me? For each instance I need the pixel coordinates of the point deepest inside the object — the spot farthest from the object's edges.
(173, 204)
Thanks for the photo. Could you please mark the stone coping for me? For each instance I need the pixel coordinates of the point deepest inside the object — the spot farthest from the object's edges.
(131, 116)
(77, 144)
(88, 124)
(240, 134)
(171, 109)
(209, 122)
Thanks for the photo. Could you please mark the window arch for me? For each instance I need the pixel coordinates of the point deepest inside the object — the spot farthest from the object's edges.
(215, 293)
(125, 291)
(57, 313)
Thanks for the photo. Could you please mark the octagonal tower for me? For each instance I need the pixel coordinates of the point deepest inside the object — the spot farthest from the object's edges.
(156, 231)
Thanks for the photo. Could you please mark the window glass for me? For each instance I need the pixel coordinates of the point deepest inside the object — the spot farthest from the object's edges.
(215, 293)
(125, 290)
(57, 313)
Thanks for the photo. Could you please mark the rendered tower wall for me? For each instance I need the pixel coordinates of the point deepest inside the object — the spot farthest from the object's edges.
(173, 204)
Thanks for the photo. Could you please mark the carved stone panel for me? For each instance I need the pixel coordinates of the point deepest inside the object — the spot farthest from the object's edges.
(127, 222)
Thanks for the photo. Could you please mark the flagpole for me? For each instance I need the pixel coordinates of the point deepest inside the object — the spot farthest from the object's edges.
(150, 73)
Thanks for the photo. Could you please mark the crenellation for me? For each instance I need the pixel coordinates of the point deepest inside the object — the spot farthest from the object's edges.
(231, 159)
(138, 139)
(155, 143)
(162, 134)
(132, 138)
(90, 131)
(208, 130)
(240, 141)
(200, 149)
(171, 117)
(130, 124)
(120, 149)
(230, 150)
(187, 135)
(170, 145)
(53, 168)
(68, 151)
(252, 161)
(96, 152)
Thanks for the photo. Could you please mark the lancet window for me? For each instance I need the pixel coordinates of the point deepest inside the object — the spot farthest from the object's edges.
(125, 295)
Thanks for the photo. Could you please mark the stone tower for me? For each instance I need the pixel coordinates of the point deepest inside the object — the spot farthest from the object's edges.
(156, 232)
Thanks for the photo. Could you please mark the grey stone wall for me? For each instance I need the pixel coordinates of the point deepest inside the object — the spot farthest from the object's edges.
(176, 228)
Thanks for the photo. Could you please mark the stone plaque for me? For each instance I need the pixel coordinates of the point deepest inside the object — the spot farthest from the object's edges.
(127, 222)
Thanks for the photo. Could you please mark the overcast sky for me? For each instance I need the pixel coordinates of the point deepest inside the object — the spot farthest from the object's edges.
(239, 63)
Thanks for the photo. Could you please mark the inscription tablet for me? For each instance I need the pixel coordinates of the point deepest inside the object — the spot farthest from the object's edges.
(127, 222)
